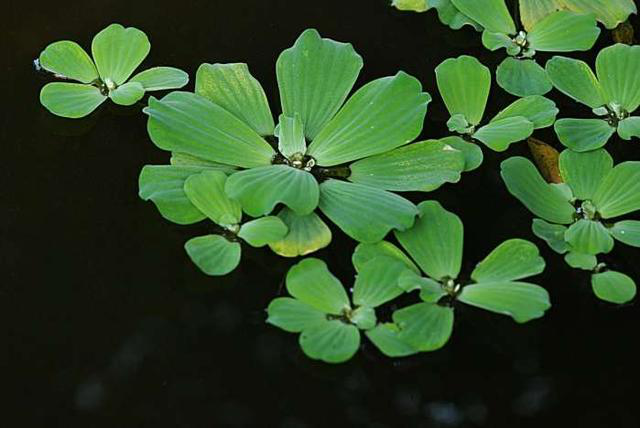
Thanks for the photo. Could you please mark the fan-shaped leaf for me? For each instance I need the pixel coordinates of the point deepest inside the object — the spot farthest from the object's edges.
(263, 231)
(574, 78)
(386, 338)
(617, 69)
(491, 14)
(512, 260)
(536, 109)
(127, 94)
(213, 254)
(564, 31)
(377, 282)
(584, 172)
(582, 135)
(531, 12)
(495, 41)
(118, 51)
(627, 231)
(424, 326)
(331, 341)
(472, 153)
(307, 234)
(629, 128)
(553, 234)
(293, 315)
(619, 193)
(161, 78)
(581, 260)
(206, 192)
(499, 134)
(451, 16)
(183, 159)
(589, 237)
(609, 12)
(522, 77)
(68, 59)
(364, 253)
(614, 287)
(71, 100)
(311, 282)
(291, 136)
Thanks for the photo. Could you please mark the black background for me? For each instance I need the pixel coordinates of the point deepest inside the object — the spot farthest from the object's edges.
(106, 323)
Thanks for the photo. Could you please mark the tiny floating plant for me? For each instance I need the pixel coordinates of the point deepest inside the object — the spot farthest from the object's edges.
(117, 52)
(329, 323)
(613, 92)
(580, 217)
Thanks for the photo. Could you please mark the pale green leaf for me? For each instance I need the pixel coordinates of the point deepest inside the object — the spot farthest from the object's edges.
(614, 287)
(307, 234)
(617, 69)
(161, 78)
(499, 134)
(206, 192)
(382, 115)
(495, 41)
(183, 159)
(331, 341)
(365, 213)
(584, 172)
(451, 16)
(629, 128)
(512, 260)
(291, 136)
(68, 59)
(263, 231)
(619, 193)
(315, 76)
(364, 253)
(377, 282)
(424, 326)
(574, 78)
(536, 109)
(553, 234)
(411, 5)
(127, 94)
(609, 12)
(364, 318)
(386, 338)
(214, 254)
(564, 31)
(627, 231)
(71, 100)
(581, 260)
(118, 51)
(533, 11)
(582, 135)
(232, 87)
(491, 14)
(589, 237)
(472, 152)
(522, 77)
(260, 189)
(311, 282)
(293, 315)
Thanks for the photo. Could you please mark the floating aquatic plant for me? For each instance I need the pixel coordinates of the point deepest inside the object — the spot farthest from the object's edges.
(613, 92)
(342, 157)
(464, 84)
(117, 52)
(447, 12)
(580, 218)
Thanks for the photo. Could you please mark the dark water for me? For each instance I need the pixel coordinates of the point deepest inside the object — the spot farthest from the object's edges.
(106, 323)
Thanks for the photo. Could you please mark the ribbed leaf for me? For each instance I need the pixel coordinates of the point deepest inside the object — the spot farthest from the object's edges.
(512, 260)
(589, 237)
(581, 260)
(609, 12)
(424, 326)
(68, 59)
(422, 166)
(495, 41)
(525, 183)
(127, 94)
(382, 115)
(364, 253)
(377, 282)
(293, 315)
(435, 241)
(629, 128)
(614, 287)
(118, 51)
(617, 69)
(464, 85)
(584, 172)
(553, 234)
(232, 87)
(263, 231)
(519, 300)
(551, 33)
(183, 159)
(213, 254)
(574, 78)
(472, 153)
(331, 341)
(315, 76)
(491, 14)
(499, 134)
(538, 110)
(291, 136)
(307, 234)
(191, 124)
(533, 11)
(522, 77)
(365, 213)
(627, 231)
(260, 189)
(582, 135)
(161, 78)
(311, 282)
(619, 193)
(72, 100)
(386, 338)
(206, 192)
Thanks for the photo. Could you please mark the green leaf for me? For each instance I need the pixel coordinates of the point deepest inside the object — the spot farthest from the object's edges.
(364, 318)
(68, 59)
(553, 234)
(382, 115)
(164, 185)
(472, 153)
(364, 253)
(377, 282)
(331, 341)
(464, 85)
(293, 315)
(263, 231)
(589, 237)
(435, 241)
(495, 41)
(127, 94)
(522, 77)
(188, 123)
(307, 234)
(451, 16)
(365, 213)
(72, 100)
(580, 260)
(213, 254)
(315, 76)
(291, 136)
(629, 128)
(491, 14)
(260, 189)
(619, 193)
(386, 338)
(499, 134)
(183, 159)
(627, 232)
(582, 135)
(538, 110)
(525, 183)
(458, 123)
(584, 172)
(311, 282)
(232, 87)
(424, 326)
(532, 12)
(430, 291)
(574, 78)
(422, 166)
(411, 5)
(551, 35)
(206, 192)
(512, 260)
(161, 78)
(614, 287)
(617, 69)
(519, 300)
(609, 12)
(118, 51)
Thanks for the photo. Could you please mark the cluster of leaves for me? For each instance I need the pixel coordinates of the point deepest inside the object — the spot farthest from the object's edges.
(117, 52)
(329, 322)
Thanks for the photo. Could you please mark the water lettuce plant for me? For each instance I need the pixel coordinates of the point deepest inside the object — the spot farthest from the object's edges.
(580, 218)
(447, 12)
(613, 92)
(343, 157)
(117, 52)
(329, 323)
(464, 84)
